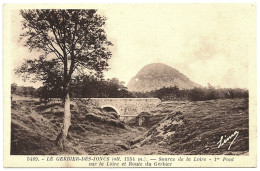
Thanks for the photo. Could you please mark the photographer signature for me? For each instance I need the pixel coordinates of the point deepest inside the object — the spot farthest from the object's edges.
(224, 139)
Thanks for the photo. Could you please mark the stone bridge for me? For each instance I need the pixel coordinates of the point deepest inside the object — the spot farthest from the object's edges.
(125, 107)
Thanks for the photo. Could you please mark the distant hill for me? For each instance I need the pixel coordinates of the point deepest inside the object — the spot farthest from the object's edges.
(157, 75)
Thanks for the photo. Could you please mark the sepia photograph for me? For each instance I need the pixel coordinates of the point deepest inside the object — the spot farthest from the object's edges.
(131, 79)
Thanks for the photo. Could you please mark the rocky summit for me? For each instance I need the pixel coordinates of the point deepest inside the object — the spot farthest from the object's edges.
(157, 75)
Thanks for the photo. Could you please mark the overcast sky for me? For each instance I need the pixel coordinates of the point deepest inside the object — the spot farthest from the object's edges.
(208, 43)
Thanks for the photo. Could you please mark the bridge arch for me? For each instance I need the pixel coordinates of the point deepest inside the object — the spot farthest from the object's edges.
(110, 108)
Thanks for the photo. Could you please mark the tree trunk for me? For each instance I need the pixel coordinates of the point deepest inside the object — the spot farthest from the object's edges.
(66, 123)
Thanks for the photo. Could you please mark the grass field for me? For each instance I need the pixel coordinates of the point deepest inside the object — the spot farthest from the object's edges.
(175, 127)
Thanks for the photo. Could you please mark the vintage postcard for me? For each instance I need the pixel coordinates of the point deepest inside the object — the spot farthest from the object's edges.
(130, 85)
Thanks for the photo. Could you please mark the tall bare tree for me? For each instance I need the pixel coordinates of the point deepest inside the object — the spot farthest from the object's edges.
(72, 41)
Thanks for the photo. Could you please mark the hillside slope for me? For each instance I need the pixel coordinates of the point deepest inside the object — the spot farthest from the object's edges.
(175, 127)
(34, 129)
(196, 128)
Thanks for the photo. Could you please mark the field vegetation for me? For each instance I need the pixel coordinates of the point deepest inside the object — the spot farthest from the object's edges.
(175, 127)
